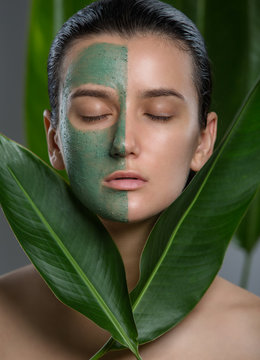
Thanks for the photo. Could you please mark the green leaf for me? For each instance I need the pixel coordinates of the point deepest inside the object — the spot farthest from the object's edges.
(248, 232)
(36, 98)
(234, 49)
(67, 244)
(47, 16)
(186, 247)
(234, 52)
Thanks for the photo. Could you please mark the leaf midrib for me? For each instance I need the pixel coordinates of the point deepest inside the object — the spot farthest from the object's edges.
(73, 262)
(139, 298)
(226, 140)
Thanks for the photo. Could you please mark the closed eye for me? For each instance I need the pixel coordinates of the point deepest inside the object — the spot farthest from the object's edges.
(158, 117)
(95, 118)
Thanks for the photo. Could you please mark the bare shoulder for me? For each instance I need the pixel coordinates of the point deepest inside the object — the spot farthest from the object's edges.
(235, 300)
(20, 291)
(39, 324)
(25, 302)
(13, 289)
(235, 313)
(19, 286)
(16, 276)
(225, 325)
(25, 297)
(13, 286)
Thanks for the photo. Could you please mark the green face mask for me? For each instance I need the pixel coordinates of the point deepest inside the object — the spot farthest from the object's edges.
(89, 154)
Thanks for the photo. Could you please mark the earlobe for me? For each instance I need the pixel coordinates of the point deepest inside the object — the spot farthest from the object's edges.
(54, 148)
(206, 143)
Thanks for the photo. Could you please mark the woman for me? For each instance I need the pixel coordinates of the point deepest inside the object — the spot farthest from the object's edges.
(129, 87)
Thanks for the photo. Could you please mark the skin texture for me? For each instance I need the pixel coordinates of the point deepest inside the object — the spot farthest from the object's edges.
(147, 125)
(90, 155)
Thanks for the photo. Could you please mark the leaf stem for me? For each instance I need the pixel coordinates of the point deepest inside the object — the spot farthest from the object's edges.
(105, 349)
(246, 270)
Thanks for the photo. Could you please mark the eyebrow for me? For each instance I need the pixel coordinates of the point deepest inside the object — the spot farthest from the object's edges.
(146, 94)
(161, 92)
(90, 92)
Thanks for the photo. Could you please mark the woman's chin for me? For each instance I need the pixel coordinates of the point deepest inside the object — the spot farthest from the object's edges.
(133, 219)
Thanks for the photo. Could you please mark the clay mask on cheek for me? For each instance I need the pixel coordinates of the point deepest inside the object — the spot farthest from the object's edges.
(88, 153)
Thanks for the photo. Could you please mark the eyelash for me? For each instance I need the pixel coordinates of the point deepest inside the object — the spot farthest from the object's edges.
(94, 118)
(158, 118)
(100, 117)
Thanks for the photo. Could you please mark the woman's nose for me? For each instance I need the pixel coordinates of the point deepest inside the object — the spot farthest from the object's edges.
(118, 143)
(125, 139)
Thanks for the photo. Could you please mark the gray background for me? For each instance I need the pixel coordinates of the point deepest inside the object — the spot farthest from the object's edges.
(14, 16)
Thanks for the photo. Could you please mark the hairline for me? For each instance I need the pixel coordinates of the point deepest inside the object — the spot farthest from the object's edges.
(179, 43)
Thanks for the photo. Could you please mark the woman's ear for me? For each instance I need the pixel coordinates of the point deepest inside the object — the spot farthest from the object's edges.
(206, 142)
(54, 147)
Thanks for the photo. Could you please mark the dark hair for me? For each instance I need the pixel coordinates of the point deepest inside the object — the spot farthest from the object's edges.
(128, 18)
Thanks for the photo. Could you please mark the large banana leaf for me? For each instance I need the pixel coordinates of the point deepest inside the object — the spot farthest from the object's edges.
(186, 247)
(231, 30)
(68, 245)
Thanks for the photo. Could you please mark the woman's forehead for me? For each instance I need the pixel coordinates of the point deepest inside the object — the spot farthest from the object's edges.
(99, 63)
(81, 44)
(148, 61)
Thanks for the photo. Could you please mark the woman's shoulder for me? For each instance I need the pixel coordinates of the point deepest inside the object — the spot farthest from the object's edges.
(27, 313)
(224, 324)
(14, 305)
(232, 315)
(14, 286)
(17, 275)
(21, 288)
(232, 300)
(23, 299)
(44, 327)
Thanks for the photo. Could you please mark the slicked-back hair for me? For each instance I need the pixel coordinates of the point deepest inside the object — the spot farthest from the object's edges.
(128, 18)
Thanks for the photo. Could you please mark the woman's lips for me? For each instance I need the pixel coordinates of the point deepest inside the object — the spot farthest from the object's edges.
(124, 180)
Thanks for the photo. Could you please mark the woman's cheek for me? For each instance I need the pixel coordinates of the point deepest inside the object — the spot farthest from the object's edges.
(88, 162)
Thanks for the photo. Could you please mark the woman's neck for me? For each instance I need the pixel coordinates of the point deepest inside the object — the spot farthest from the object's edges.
(130, 239)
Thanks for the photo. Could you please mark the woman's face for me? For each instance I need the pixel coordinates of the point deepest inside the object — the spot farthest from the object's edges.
(128, 128)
